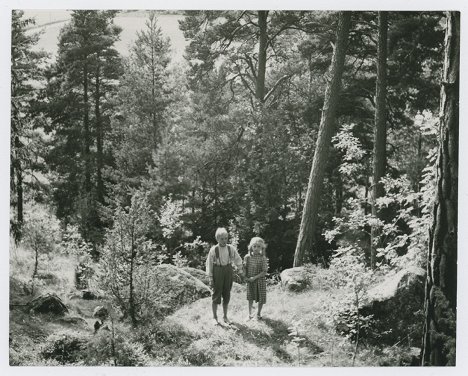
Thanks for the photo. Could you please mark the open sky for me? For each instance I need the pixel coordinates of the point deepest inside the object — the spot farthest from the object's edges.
(49, 22)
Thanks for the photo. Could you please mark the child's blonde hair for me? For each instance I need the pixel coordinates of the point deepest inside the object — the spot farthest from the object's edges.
(220, 231)
(257, 240)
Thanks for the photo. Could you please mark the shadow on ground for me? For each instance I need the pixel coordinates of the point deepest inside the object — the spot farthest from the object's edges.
(276, 340)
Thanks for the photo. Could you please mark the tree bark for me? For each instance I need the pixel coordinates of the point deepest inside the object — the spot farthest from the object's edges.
(262, 54)
(131, 299)
(439, 340)
(99, 136)
(312, 200)
(380, 130)
(86, 135)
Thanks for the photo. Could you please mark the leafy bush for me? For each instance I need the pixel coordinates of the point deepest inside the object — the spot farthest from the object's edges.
(127, 255)
(402, 237)
(106, 349)
(64, 348)
(157, 335)
(41, 232)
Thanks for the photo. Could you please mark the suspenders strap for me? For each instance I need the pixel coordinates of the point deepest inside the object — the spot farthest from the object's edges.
(217, 254)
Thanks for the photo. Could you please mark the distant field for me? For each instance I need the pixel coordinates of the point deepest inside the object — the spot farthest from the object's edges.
(50, 22)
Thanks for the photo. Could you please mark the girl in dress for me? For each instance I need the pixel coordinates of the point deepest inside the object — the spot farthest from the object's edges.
(256, 266)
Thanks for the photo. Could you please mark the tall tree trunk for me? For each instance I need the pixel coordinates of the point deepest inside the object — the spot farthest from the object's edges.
(131, 298)
(380, 130)
(312, 200)
(262, 54)
(153, 99)
(338, 194)
(19, 197)
(439, 338)
(86, 135)
(17, 179)
(99, 137)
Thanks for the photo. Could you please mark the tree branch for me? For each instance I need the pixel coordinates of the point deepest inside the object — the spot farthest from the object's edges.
(270, 92)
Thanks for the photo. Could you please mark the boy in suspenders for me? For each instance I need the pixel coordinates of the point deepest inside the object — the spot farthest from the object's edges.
(219, 266)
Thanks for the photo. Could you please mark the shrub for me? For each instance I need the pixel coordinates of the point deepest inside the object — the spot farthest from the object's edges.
(106, 349)
(64, 348)
(127, 254)
(41, 233)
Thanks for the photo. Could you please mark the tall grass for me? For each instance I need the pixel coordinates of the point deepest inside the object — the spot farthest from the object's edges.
(56, 271)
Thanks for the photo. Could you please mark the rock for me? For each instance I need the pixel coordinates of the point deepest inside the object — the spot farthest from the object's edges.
(97, 325)
(396, 306)
(295, 279)
(174, 287)
(88, 295)
(101, 312)
(48, 303)
(197, 273)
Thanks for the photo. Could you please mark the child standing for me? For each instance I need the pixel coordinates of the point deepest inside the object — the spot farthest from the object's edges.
(256, 266)
(219, 266)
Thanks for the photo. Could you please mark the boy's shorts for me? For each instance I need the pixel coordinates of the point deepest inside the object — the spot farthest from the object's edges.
(222, 281)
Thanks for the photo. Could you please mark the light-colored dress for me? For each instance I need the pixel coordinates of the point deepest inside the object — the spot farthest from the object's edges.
(254, 265)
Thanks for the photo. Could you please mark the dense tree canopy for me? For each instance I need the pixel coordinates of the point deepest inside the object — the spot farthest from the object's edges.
(228, 137)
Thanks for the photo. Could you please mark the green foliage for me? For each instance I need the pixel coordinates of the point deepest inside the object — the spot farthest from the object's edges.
(26, 141)
(79, 86)
(208, 150)
(103, 350)
(73, 243)
(402, 238)
(64, 348)
(41, 233)
(145, 94)
(127, 254)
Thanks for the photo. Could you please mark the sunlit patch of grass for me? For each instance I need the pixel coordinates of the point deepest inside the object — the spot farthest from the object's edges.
(55, 271)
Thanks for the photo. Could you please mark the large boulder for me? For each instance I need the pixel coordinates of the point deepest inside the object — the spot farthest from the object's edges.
(197, 273)
(173, 287)
(48, 303)
(101, 312)
(396, 309)
(295, 279)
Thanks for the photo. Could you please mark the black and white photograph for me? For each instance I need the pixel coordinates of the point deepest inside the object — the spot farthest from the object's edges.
(233, 186)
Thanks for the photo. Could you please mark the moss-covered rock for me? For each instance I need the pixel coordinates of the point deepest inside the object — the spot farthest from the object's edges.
(197, 273)
(393, 308)
(295, 279)
(172, 287)
(48, 303)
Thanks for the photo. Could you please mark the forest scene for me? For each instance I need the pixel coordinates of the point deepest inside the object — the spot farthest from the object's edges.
(331, 135)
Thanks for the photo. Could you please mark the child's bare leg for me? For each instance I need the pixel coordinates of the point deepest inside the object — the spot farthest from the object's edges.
(214, 307)
(259, 312)
(250, 308)
(225, 310)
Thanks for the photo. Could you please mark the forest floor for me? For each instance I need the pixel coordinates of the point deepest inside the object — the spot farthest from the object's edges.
(296, 330)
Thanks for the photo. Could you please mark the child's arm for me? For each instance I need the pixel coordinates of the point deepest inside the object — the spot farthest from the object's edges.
(264, 271)
(260, 275)
(209, 264)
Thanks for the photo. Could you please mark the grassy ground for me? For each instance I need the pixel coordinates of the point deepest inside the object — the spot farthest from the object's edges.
(296, 330)
(290, 333)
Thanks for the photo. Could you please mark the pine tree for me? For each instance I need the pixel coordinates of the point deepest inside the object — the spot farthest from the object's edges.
(439, 340)
(309, 214)
(24, 139)
(82, 80)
